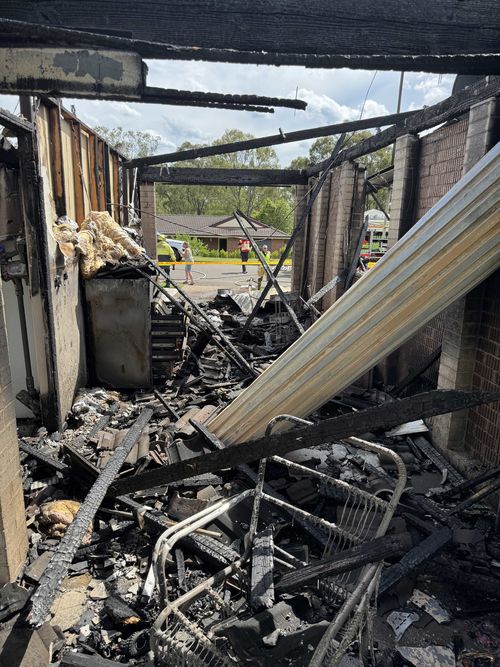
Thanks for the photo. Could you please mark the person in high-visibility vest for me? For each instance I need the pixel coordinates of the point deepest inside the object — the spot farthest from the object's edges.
(164, 252)
(244, 246)
(260, 272)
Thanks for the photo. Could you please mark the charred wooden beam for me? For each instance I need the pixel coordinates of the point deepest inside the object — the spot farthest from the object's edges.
(218, 100)
(453, 475)
(272, 140)
(261, 581)
(414, 558)
(57, 569)
(448, 109)
(239, 177)
(22, 32)
(382, 416)
(285, 26)
(350, 559)
(45, 459)
(16, 124)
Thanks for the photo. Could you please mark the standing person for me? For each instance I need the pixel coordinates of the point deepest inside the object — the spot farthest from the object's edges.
(164, 252)
(187, 256)
(267, 257)
(244, 246)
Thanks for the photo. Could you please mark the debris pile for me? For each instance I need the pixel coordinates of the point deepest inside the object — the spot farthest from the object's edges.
(250, 565)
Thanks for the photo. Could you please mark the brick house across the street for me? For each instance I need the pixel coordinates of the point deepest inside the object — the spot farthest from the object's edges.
(219, 232)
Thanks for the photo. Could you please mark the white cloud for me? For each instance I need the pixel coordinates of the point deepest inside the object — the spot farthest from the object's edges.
(126, 109)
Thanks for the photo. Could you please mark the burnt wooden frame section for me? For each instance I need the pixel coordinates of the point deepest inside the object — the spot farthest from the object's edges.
(272, 140)
(35, 230)
(274, 32)
(383, 416)
(238, 177)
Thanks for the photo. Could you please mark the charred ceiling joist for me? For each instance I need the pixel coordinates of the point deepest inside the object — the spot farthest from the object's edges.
(111, 75)
(461, 37)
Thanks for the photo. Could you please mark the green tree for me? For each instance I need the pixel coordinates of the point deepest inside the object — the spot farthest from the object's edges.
(276, 213)
(219, 200)
(132, 143)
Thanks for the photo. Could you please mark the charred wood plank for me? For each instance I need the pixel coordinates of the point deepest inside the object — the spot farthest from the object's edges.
(414, 558)
(271, 140)
(47, 460)
(286, 26)
(462, 487)
(350, 559)
(437, 459)
(381, 416)
(261, 582)
(217, 100)
(16, 124)
(474, 585)
(450, 108)
(23, 32)
(48, 588)
(209, 176)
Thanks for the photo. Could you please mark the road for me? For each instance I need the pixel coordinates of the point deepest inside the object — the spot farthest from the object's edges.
(209, 278)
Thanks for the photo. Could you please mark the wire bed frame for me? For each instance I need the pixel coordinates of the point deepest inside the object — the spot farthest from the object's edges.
(177, 641)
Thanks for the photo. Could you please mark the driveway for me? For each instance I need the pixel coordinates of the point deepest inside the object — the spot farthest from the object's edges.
(211, 277)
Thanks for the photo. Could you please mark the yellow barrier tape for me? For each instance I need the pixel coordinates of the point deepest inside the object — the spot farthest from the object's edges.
(198, 263)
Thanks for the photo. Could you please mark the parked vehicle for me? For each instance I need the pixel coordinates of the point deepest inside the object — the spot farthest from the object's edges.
(176, 247)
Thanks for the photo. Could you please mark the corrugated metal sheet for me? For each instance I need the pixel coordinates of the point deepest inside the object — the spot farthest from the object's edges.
(454, 247)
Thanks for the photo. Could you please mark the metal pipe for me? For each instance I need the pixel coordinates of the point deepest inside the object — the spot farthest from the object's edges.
(30, 382)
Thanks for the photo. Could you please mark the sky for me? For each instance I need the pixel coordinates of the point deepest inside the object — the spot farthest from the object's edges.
(332, 96)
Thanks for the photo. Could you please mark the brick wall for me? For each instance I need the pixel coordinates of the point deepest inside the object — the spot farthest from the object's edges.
(13, 536)
(483, 425)
(440, 165)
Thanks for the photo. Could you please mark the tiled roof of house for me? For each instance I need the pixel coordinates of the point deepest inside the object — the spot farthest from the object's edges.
(206, 226)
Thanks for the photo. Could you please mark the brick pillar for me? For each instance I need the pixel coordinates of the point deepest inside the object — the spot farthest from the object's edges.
(299, 245)
(404, 187)
(13, 535)
(148, 220)
(460, 337)
(339, 217)
(317, 239)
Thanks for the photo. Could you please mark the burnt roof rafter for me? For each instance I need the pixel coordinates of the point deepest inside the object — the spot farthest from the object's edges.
(429, 35)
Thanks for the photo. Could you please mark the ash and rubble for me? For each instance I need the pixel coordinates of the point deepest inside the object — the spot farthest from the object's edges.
(437, 599)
